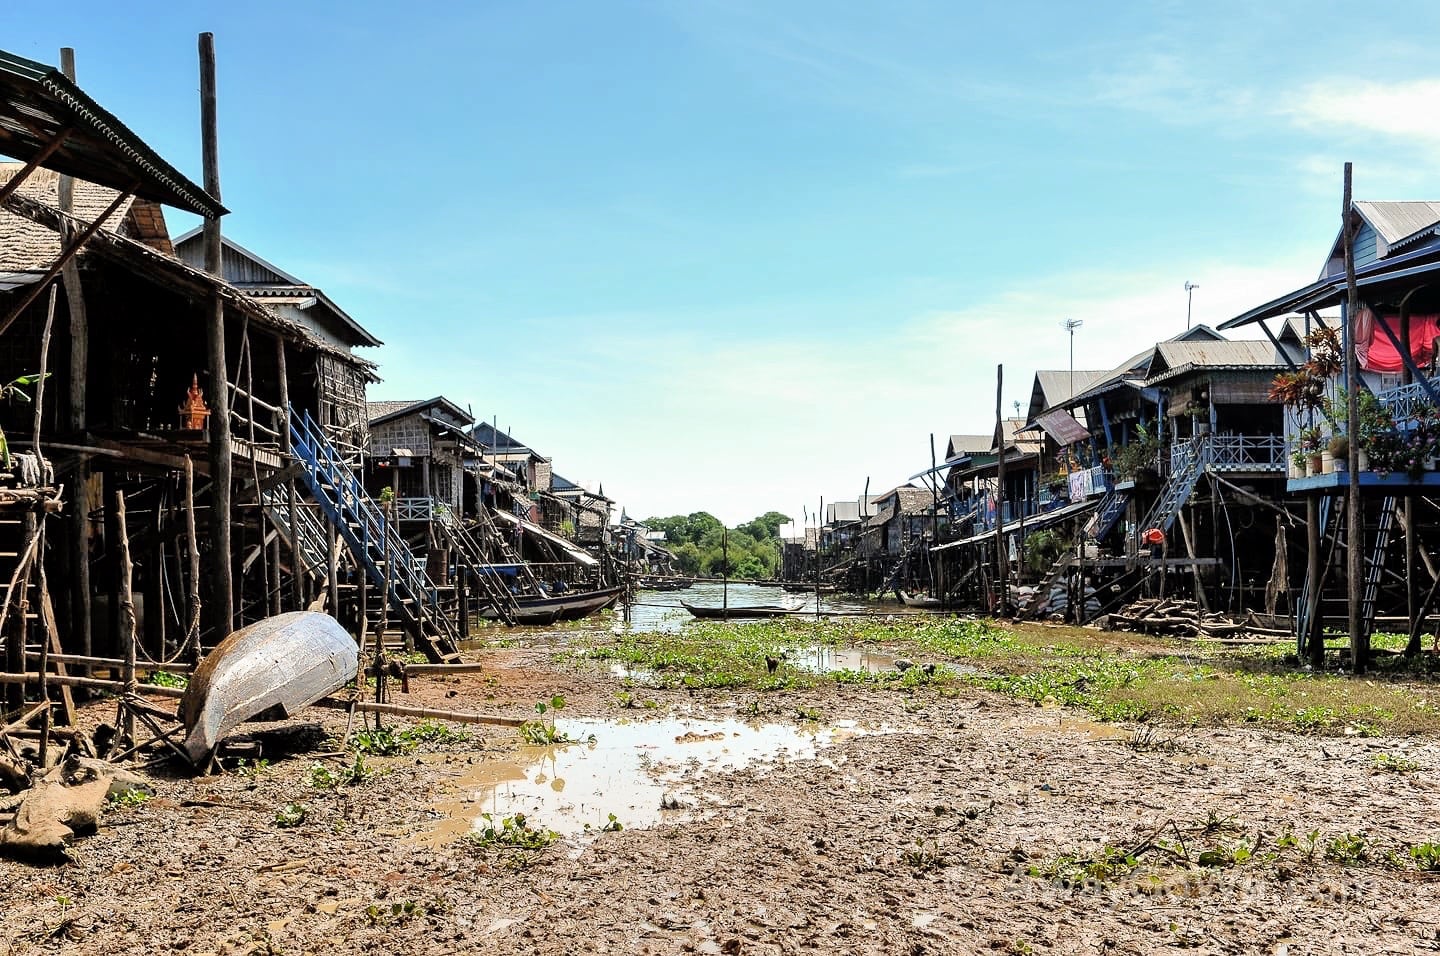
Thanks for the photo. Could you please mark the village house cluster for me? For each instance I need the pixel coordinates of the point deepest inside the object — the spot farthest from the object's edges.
(1214, 468)
(189, 443)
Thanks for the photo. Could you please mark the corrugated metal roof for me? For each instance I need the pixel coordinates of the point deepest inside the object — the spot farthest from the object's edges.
(37, 102)
(970, 445)
(1204, 354)
(1399, 220)
(1056, 385)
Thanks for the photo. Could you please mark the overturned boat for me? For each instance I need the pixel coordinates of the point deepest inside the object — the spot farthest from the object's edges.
(285, 662)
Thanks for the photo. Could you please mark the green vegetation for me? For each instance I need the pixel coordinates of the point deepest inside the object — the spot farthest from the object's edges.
(515, 832)
(542, 732)
(129, 799)
(698, 542)
(387, 743)
(166, 679)
(291, 815)
(323, 778)
(1110, 676)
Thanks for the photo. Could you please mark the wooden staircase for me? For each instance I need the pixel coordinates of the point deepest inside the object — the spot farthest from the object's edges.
(372, 539)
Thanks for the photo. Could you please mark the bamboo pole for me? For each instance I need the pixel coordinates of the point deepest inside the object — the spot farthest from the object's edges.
(398, 710)
(192, 632)
(222, 588)
(127, 611)
(96, 683)
(1355, 532)
(1002, 564)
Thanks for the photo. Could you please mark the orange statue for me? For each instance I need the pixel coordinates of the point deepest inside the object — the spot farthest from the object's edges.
(194, 411)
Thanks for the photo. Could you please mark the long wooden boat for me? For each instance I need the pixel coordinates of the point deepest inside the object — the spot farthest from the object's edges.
(288, 661)
(561, 607)
(918, 600)
(762, 610)
(800, 587)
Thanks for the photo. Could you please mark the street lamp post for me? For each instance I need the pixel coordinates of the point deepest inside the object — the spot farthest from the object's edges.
(1190, 288)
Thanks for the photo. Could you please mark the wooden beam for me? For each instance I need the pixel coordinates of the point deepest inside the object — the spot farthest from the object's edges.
(35, 162)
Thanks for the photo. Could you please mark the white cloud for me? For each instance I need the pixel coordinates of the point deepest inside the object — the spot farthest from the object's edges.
(740, 424)
(1405, 110)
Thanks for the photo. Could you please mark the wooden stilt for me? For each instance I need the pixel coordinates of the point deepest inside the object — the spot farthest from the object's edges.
(127, 612)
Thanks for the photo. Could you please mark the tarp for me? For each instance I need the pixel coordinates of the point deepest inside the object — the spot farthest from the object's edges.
(1378, 354)
(578, 555)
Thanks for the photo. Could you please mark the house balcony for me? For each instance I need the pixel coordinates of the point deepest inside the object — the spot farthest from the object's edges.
(1230, 453)
(1404, 401)
(414, 509)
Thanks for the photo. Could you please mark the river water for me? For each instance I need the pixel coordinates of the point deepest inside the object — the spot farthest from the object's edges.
(661, 610)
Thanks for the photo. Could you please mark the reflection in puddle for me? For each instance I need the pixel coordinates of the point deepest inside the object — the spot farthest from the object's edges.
(629, 769)
(824, 659)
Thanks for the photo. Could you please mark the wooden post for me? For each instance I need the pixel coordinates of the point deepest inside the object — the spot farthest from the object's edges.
(1414, 615)
(333, 573)
(127, 612)
(192, 628)
(1355, 525)
(1313, 640)
(1002, 563)
(1189, 543)
(222, 597)
(78, 522)
(297, 555)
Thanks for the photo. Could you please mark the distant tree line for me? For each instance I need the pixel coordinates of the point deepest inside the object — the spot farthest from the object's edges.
(698, 542)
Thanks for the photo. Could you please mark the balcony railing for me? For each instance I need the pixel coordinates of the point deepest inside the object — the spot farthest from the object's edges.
(414, 509)
(1403, 400)
(1231, 453)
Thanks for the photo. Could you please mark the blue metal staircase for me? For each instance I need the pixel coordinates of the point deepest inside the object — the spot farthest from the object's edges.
(386, 559)
(1109, 511)
(1186, 467)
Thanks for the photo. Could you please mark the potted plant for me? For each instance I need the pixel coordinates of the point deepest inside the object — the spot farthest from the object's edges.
(1339, 449)
(1308, 447)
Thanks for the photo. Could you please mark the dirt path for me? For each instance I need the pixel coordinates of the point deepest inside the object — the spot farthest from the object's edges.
(900, 822)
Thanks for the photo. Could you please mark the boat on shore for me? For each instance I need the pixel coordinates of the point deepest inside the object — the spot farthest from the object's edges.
(752, 611)
(285, 662)
(918, 600)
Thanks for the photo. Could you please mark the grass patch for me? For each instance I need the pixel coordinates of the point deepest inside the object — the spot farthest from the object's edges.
(1112, 676)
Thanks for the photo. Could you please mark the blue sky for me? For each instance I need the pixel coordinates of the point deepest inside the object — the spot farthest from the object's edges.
(735, 256)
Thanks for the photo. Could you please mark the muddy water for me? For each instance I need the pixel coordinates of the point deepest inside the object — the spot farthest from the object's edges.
(642, 771)
(661, 610)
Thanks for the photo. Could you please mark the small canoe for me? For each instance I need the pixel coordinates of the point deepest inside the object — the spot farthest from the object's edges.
(918, 600)
(288, 661)
(763, 610)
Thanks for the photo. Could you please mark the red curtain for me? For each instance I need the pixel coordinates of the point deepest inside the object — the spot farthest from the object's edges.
(1378, 354)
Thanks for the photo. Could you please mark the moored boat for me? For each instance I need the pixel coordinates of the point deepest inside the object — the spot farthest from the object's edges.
(547, 609)
(753, 611)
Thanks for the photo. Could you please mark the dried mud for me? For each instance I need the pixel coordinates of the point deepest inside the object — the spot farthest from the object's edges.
(911, 829)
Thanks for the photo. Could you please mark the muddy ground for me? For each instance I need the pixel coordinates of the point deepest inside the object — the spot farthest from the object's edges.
(867, 820)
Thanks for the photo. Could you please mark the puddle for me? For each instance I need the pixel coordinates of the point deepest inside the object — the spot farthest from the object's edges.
(824, 659)
(627, 769)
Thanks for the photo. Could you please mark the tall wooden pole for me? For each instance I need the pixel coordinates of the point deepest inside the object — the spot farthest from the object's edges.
(78, 523)
(127, 611)
(222, 585)
(1002, 566)
(1354, 526)
(1313, 640)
